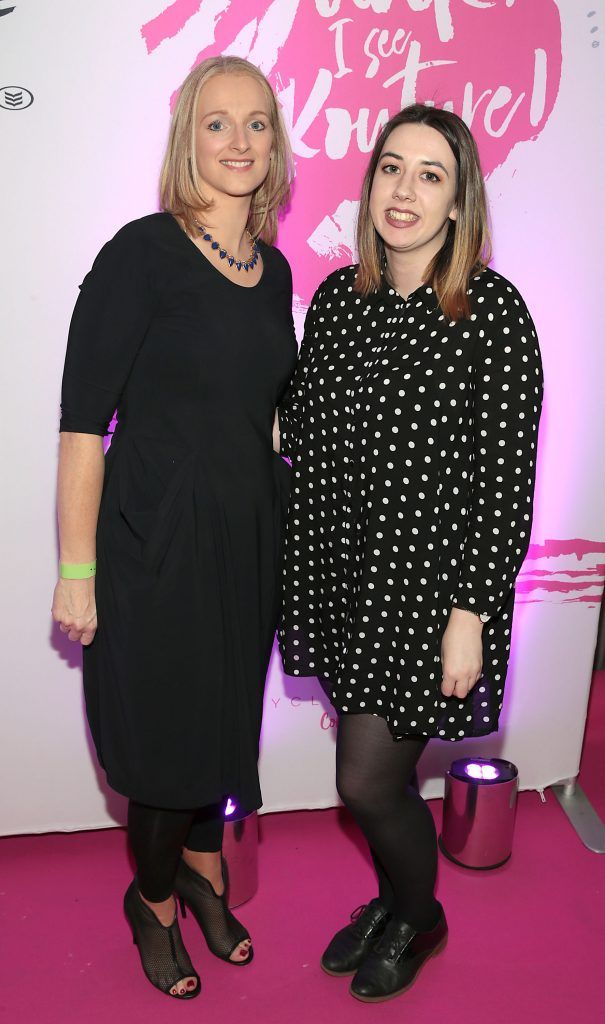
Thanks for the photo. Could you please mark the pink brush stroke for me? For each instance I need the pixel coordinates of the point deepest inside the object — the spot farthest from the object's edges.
(169, 23)
(557, 586)
(560, 580)
(576, 546)
(594, 602)
(599, 570)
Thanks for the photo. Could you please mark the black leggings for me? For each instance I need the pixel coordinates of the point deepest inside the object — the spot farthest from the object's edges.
(376, 780)
(157, 837)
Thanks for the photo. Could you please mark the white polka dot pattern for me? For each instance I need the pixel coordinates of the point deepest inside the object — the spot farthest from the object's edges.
(413, 442)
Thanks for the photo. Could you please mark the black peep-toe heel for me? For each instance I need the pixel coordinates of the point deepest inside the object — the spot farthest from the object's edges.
(163, 955)
(222, 931)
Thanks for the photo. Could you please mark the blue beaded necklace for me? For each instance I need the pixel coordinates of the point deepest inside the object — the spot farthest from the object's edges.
(224, 255)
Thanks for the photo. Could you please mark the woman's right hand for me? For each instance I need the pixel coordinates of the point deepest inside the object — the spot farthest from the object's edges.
(74, 608)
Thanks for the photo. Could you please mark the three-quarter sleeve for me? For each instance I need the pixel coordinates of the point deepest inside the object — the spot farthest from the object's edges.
(508, 389)
(291, 407)
(108, 326)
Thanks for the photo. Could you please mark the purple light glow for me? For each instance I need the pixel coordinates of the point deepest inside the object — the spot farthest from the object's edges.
(481, 771)
(230, 807)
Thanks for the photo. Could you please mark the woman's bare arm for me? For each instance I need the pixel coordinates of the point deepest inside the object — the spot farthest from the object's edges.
(80, 481)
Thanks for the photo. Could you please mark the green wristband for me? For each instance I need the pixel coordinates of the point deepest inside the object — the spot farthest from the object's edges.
(77, 570)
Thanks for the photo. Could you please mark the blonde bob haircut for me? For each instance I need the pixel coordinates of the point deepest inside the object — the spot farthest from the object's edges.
(467, 247)
(180, 187)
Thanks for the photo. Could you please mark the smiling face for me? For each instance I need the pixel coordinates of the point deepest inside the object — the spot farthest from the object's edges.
(234, 136)
(412, 200)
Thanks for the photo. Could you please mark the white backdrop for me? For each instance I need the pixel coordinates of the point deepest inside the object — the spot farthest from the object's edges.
(83, 159)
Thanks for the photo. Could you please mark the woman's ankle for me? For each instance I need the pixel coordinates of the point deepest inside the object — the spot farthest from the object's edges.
(209, 865)
(164, 910)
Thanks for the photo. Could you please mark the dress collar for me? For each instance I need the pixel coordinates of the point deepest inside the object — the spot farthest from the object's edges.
(387, 295)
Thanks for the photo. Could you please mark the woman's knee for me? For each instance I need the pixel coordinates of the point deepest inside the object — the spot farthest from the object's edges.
(356, 793)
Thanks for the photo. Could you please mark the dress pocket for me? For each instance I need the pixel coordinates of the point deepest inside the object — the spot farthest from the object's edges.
(155, 477)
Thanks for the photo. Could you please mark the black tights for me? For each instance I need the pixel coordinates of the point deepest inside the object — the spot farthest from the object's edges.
(157, 837)
(376, 780)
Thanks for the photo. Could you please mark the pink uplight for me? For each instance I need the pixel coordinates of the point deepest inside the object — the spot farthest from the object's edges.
(230, 807)
(481, 771)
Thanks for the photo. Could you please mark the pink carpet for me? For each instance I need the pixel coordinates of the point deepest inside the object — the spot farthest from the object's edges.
(526, 940)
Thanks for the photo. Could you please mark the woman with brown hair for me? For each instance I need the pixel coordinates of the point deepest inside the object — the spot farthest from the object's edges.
(412, 424)
(184, 325)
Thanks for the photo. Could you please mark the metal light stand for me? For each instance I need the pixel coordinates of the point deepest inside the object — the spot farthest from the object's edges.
(581, 814)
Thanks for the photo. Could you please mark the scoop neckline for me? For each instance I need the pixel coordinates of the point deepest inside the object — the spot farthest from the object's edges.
(192, 245)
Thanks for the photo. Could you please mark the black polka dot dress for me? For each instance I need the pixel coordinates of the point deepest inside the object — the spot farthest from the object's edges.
(413, 443)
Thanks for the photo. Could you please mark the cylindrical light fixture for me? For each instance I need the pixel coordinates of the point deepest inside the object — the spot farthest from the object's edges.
(479, 812)
(240, 854)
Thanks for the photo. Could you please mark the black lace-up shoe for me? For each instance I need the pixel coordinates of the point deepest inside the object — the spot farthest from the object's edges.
(349, 946)
(395, 959)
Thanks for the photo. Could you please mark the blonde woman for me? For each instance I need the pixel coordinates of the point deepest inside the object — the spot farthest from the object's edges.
(184, 325)
(412, 424)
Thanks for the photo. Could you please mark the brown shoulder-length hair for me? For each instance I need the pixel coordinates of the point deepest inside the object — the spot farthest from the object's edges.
(180, 187)
(467, 247)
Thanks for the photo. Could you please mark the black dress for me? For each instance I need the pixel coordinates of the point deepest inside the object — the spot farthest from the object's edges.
(194, 500)
(413, 443)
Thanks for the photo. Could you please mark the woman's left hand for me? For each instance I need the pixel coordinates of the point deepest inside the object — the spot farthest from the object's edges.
(461, 653)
